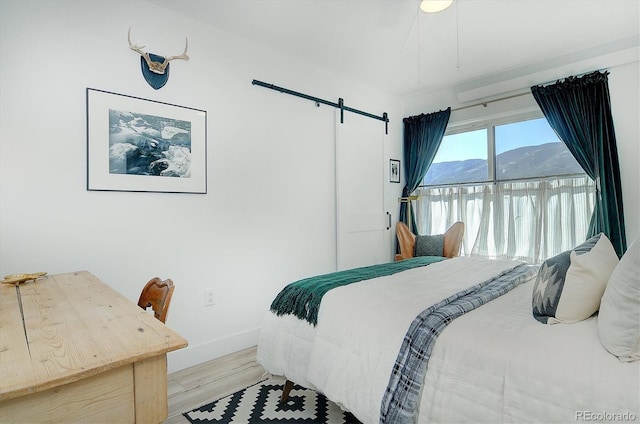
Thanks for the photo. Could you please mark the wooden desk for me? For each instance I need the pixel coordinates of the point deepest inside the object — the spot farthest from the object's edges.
(92, 355)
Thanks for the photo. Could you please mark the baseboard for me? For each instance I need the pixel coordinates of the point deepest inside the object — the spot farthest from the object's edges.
(197, 354)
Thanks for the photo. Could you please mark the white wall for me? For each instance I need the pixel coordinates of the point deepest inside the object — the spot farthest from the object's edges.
(269, 215)
(624, 87)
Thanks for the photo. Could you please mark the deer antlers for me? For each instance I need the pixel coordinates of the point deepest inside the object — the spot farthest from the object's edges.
(157, 67)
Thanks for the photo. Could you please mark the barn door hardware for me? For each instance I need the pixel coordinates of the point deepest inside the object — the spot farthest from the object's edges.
(318, 101)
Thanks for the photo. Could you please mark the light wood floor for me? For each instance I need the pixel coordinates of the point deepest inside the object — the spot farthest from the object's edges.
(195, 386)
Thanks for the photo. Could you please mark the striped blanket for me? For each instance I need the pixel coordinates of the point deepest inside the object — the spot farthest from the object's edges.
(402, 396)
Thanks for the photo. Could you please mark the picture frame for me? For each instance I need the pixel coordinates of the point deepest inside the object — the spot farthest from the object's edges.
(136, 144)
(394, 170)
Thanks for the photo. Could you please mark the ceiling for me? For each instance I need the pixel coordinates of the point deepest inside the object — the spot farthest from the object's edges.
(390, 44)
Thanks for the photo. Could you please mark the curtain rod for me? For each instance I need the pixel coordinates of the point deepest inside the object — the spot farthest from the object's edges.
(484, 104)
(340, 104)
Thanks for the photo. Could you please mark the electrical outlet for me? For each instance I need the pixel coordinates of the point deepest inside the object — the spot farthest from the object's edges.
(209, 299)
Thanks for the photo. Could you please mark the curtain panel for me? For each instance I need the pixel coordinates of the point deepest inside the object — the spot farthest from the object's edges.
(579, 110)
(422, 137)
(526, 220)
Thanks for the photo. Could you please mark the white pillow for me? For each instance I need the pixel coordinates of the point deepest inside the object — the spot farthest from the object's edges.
(570, 285)
(619, 317)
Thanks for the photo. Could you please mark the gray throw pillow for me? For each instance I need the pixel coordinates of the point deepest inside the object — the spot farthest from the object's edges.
(569, 286)
(429, 245)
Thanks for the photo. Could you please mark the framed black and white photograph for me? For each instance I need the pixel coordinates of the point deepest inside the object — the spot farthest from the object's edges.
(394, 170)
(136, 144)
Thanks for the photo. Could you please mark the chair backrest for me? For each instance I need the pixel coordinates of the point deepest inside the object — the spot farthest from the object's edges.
(453, 240)
(407, 241)
(157, 294)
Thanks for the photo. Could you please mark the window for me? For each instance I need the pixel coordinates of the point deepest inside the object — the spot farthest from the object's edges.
(461, 158)
(530, 149)
(523, 149)
(516, 186)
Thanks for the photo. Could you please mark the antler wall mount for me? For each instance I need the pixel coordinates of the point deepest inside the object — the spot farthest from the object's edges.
(155, 68)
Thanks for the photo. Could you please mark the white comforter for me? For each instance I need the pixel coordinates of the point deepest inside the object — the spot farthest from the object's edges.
(494, 364)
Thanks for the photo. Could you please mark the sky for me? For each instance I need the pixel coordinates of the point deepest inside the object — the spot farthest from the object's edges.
(473, 144)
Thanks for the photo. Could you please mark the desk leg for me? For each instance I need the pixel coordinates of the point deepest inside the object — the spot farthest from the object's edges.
(150, 385)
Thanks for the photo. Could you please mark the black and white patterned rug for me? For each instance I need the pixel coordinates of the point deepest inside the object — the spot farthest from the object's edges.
(260, 404)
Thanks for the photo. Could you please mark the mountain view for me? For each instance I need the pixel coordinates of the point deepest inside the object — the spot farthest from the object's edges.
(524, 162)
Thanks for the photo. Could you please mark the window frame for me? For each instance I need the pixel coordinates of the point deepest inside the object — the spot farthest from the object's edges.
(489, 123)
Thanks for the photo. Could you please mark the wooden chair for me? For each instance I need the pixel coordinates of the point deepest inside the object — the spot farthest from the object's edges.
(407, 241)
(157, 294)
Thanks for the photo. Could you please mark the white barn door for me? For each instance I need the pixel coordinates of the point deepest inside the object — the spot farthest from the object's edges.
(363, 234)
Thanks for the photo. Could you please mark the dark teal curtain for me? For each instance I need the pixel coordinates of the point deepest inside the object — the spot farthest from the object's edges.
(579, 110)
(422, 137)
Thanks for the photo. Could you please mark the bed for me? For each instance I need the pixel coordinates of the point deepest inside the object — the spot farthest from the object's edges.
(455, 340)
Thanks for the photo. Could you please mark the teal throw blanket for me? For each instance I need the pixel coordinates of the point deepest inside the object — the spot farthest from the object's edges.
(302, 298)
